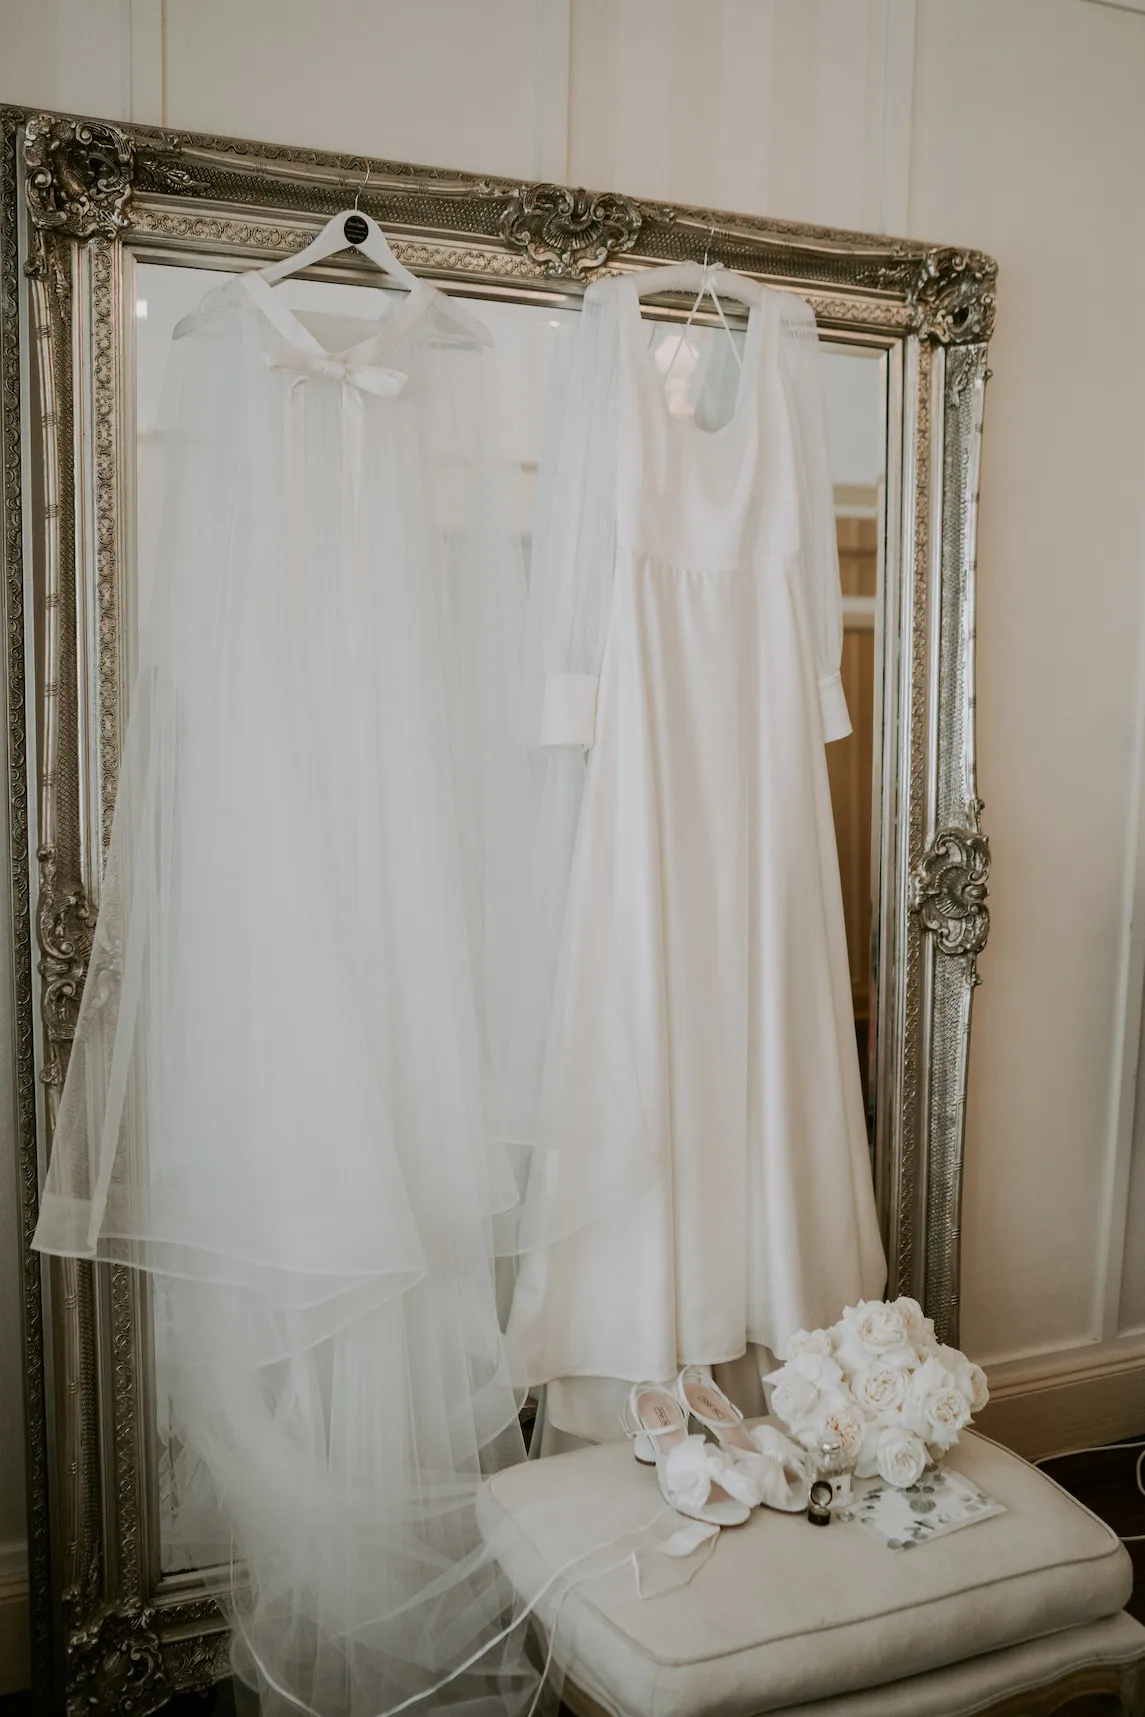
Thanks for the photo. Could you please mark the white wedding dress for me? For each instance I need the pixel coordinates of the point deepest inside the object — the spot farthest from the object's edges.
(702, 1180)
(284, 1088)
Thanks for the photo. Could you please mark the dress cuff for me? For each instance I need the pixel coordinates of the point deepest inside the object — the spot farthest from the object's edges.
(568, 716)
(833, 704)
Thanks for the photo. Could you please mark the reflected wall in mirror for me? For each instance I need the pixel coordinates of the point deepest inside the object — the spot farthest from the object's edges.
(857, 427)
(110, 234)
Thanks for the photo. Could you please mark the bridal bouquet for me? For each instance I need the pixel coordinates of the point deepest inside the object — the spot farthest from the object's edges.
(895, 1397)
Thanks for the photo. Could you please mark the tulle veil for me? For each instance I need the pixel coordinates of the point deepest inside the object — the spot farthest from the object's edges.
(287, 1096)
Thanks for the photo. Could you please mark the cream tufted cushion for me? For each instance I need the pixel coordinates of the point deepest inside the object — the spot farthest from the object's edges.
(785, 1614)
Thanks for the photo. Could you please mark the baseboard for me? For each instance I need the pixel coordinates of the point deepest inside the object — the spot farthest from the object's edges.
(14, 1661)
(1049, 1405)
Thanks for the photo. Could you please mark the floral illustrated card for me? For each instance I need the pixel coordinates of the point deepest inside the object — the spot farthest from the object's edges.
(941, 1502)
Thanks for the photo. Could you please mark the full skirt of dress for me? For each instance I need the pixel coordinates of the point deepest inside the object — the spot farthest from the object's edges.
(704, 905)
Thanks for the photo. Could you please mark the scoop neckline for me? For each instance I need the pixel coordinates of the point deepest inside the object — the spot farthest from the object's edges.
(295, 332)
(745, 385)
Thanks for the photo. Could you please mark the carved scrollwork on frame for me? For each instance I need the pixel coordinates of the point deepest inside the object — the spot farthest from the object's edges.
(949, 893)
(953, 298)
(567, 231)
(79, 175)
(65, 925)
(115, 1664)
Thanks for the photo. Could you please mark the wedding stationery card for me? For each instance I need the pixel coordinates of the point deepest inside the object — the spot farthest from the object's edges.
(940, 1502)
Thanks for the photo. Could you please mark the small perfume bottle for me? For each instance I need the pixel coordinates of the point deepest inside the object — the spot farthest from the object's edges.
(833, 1464)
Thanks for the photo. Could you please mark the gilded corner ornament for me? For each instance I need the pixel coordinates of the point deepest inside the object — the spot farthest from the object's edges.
(115, 1664)
(79, 175)
(949, 893)
(953, 297)
(568, 231)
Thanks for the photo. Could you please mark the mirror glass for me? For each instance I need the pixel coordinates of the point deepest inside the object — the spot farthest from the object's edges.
(527, 340)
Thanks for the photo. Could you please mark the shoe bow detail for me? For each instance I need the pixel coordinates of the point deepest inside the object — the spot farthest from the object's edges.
(776, 1474)
(690, 1470)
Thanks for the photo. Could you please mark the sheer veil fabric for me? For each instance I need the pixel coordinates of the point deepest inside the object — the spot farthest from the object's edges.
(287, 1092)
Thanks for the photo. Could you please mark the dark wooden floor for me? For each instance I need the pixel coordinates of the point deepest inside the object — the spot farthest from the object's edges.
(1104, 1481)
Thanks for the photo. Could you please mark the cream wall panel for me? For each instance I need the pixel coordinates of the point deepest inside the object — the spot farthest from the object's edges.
(448, 83)
(74, 54)
(768, 106)
(1029, 140)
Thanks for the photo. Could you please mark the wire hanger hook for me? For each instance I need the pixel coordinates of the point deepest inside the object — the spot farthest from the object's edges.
(363, 185)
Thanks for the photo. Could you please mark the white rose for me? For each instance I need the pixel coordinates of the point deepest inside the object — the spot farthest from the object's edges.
(971, 1379)
(934, 1407)
(876, 1327)
(902, 1457)
(919, 1328)
(794, 1398)
(810, 1341)
(949, 1412)
(879, 1390)
(956, 1363)
(872, 1330)
(841, 1419)
(820, 1369)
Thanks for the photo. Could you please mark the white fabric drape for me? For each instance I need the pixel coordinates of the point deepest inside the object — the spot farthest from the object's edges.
(286, 1085)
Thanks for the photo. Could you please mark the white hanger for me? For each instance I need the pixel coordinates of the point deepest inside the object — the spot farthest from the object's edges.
(699, 277)
(354, 230)
(702, 278)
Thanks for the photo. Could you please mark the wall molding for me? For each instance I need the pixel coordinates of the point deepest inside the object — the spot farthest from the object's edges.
(551, 90)
(897, 27)
(15, 1672)
(1069, 1400)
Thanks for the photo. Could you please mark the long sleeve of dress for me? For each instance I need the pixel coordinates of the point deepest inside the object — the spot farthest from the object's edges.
(802, 365)
(576, 534)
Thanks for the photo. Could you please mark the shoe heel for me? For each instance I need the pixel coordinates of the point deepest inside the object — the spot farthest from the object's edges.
(645, 1451)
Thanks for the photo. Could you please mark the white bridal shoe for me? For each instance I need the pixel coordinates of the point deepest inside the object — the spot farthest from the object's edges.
(767, 1468)
(692, 1471)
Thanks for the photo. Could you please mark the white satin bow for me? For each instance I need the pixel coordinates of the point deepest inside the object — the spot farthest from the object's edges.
(777, 1474)
(366, 378)
(357, 381)
(690, 1470)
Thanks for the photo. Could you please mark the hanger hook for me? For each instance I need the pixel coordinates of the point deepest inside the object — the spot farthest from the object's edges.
(708, 245)
(363, 185)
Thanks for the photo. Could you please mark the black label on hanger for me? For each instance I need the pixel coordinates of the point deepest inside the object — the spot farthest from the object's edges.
(355, 229)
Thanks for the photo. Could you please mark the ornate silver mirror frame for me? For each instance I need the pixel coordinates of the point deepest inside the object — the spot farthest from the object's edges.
(80, 201)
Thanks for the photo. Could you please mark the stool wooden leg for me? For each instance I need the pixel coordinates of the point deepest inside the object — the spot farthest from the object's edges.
(576, 1703)
(1082, 1693)
(1133, 1690)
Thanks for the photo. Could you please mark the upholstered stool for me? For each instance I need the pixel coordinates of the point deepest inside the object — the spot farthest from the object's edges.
(1018, 1613)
